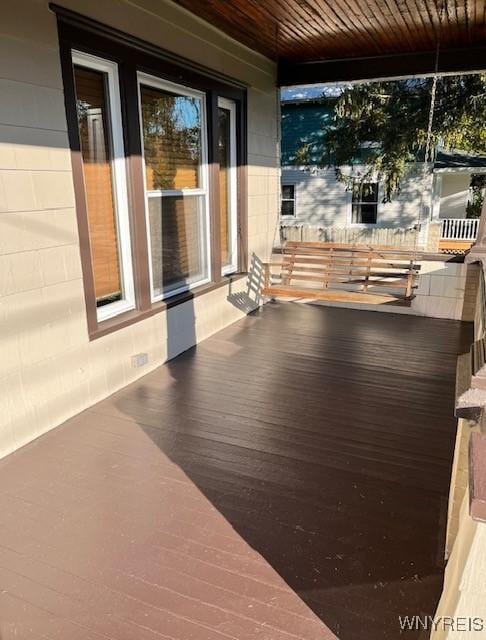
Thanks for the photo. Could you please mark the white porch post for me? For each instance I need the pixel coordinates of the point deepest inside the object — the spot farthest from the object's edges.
(436, 195)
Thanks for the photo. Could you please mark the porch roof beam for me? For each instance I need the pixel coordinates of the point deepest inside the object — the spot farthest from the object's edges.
(387, 66)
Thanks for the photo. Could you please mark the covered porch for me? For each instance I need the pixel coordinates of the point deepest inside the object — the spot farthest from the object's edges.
(285, 479)
(224, 469)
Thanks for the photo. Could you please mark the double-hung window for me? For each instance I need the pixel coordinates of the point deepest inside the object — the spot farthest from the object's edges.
(173, 125)
(364, 209)
(103, 161)
(288, 200)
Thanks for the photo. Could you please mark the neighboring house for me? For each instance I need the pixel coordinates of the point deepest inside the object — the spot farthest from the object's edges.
(313, 196)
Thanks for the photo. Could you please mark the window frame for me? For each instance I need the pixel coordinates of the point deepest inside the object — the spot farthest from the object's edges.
(156, 82)
(132, 55)
(232, 267)
(294, 200)
(360, 203)
(119, 182)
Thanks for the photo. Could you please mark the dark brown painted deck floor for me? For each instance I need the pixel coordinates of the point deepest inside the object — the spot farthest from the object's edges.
(286, 479)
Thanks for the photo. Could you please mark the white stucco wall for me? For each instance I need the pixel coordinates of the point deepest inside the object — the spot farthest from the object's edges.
(322, 200)
(49, 369)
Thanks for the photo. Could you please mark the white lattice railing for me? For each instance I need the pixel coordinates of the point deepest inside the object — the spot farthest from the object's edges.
(459, 229)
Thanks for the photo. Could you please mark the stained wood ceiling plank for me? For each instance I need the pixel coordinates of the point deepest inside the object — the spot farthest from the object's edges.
(313, 13)
(357, 37)
(365, 24)
(390, 22)
(313, 30)
(342, 29)
(420, 21)
(298, 22)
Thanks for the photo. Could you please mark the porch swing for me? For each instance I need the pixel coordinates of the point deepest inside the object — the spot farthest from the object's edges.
(353, 272)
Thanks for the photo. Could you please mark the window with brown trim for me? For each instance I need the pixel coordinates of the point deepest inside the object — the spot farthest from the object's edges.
(101, 140)
(159, 158)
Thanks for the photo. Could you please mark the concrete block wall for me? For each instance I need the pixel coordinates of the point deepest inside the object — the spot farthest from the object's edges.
(49, 369)
(445, 290)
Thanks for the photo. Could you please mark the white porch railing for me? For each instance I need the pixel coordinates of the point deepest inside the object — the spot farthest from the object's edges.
(459, 229)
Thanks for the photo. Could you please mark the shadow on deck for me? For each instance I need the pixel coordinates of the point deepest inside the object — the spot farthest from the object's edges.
(286, 479)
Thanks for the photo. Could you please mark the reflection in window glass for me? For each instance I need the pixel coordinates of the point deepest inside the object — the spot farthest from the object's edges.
(227, 185)
(177, 241)
(96, 150)
(174, 155)
(224, 184)
(171, 128)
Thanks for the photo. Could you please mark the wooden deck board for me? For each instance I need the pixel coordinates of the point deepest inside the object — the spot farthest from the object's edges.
(286, 479)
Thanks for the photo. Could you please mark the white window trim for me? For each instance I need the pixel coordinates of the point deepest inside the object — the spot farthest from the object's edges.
(119, 178)
(229, 105)
(364, 225)
(294, 200)
(165, 85)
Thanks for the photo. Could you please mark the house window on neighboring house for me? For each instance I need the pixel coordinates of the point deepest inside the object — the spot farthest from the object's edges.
(365, 203)
(288, 200)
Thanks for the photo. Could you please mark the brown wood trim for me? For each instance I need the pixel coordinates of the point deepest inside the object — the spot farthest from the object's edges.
(108, 41)
(477, 477)
(131, 317)
(69, 17)
(78, 182)
(387, 66)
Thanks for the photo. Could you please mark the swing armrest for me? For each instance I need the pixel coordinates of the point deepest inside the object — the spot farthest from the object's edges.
(267, 271)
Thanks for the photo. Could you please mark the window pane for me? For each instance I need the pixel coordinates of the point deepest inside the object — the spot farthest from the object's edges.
(364, 213)
(287, 207)
(225, 186)
(171, 129)
(177, 241)
(365, 192)
(288, 191)
(96, 149)
(370, 192)
(368, 213)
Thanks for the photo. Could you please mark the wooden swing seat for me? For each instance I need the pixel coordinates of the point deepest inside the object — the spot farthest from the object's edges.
(342, 273)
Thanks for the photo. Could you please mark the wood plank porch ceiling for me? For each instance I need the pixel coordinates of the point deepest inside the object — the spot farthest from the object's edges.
(310, 30)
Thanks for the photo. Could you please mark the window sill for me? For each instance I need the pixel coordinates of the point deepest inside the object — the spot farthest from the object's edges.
(362, 225)
(131, 317)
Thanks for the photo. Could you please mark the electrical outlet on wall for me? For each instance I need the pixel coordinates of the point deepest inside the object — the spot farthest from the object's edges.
(139, 360)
